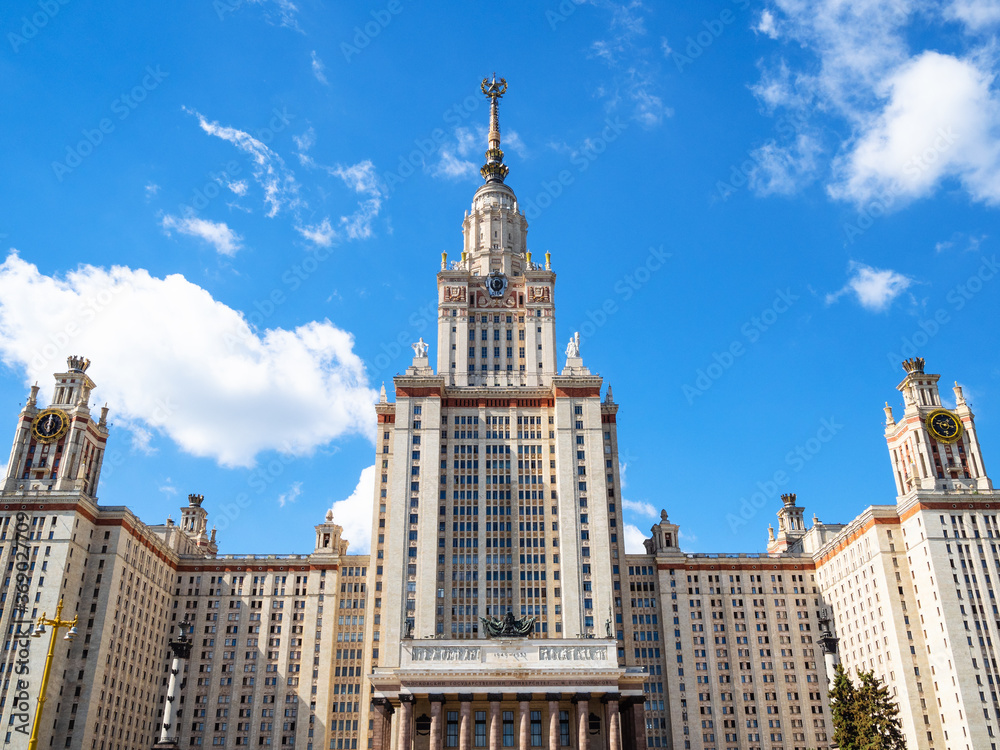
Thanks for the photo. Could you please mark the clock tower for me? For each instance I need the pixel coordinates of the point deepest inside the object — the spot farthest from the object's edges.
(59, 448)
(933, 447)
(495, 282)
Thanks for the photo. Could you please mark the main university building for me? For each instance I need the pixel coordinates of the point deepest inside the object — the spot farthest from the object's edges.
(498, 607)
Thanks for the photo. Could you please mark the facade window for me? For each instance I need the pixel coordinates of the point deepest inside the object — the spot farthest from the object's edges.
(536, 728)
(564, 728)
(480, 733)
(451, 730)
(508, 729)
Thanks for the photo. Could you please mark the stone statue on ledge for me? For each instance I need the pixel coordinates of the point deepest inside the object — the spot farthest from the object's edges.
(508, 626)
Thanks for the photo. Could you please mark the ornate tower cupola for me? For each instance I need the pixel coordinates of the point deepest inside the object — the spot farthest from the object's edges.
(59, 448)
(496, 318)
(933, 448)
(791, 526)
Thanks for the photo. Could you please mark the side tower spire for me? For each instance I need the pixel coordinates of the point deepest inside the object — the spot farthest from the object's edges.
(494, 170)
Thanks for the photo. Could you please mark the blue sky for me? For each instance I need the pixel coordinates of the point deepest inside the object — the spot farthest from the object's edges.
(236, 210)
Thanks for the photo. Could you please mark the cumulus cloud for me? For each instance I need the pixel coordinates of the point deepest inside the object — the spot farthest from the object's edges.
(874, 288)
(641, 507)
(269, 171)
(354, 513)
(634, 540)
(319, 69)
(917, 118)
(172, 360)
(977, 15)
(217, 234)
(941, 120)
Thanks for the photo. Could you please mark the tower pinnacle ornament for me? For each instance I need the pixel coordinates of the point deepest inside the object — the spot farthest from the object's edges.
(494, 170)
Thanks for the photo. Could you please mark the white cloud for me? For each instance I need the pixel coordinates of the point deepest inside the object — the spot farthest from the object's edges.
(641, 507)
(171, 359)
(151, 190)
(635, 67)
(239, 187)
(217, 234)
(917, 117)
(318, 69)
(941, 120)
(303, 143)
(634, 540)
(321, 234)
(362, 179)
(290, 495)
(453, 167)
(782, 170)
(269, 170)
(354, 513)
(766, 24)
(874, 288)
(968, 243)
(975, 14)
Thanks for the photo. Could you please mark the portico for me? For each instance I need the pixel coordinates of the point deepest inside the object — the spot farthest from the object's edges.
(504, 693)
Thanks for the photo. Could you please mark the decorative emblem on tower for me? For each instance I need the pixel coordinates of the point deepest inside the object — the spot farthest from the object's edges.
(508, 626)
(494, 170)
(496, 284)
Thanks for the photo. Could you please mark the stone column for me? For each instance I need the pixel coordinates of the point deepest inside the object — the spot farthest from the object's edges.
(614, 721)
(436, 702)
(496, 732)
(553, 699)
(582, 716)
(465, 722)
(382, 732)
(524, 710)
(405, 722)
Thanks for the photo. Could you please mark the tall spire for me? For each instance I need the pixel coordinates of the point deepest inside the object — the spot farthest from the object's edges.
(494, 170)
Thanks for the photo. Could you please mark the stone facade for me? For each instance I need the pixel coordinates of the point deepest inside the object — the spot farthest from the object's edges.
(498, 495)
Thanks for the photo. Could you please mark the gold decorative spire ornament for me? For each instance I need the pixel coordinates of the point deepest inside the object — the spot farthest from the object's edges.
(494, 170)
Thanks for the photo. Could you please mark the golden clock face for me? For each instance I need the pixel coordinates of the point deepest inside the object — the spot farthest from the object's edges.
(944, 426)
(50, 425)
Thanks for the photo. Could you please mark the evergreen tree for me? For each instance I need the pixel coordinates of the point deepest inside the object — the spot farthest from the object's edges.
(843, 705)
(865, 717)
(877, 715)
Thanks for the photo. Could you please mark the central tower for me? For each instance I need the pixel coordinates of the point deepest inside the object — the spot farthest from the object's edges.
(496, 318)
(497, 514)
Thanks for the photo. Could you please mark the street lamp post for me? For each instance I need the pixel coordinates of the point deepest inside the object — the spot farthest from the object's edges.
(181, 648)
(55, 623)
